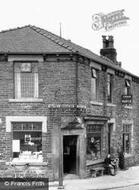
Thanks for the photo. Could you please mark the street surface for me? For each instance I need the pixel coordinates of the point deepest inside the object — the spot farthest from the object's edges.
(134, 187)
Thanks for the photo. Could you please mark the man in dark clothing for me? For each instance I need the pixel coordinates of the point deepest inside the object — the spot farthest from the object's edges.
(110, 165)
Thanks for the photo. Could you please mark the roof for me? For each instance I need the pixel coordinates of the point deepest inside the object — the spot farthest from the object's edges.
(32, 39)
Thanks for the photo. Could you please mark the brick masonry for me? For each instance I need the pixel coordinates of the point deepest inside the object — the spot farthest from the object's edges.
(67, 83)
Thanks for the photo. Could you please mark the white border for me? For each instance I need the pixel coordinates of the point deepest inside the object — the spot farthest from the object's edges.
(10, 119)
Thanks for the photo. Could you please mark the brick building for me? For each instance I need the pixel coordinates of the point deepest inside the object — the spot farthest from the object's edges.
(61, 104)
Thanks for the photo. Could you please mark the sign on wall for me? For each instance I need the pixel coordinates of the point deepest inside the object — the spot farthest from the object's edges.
(126, 99)
(24, 183)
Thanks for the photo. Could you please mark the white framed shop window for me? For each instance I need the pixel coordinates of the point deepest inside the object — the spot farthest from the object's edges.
(127, 137)
(26, 137)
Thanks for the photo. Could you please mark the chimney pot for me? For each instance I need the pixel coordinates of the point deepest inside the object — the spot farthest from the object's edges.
(111, 41)
(108, 49)
(105, 41)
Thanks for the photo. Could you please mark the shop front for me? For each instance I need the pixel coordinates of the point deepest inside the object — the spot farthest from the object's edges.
(96, 140)
(74, 146)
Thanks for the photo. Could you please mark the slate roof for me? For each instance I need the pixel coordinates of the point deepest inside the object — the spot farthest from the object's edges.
(27, 39)
(32, 39)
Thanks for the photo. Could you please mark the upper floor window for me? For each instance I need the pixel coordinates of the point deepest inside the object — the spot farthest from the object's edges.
(94, 80)
(26, 80)
(109, 86)
(127, 87)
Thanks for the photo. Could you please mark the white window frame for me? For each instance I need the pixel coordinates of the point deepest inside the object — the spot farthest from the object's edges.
(131, 123)
(109, 87)
(94, 84)
(17, 78)
(10, 119)
(127, 87)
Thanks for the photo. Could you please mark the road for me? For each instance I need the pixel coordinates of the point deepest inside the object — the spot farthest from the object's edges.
(134, 187)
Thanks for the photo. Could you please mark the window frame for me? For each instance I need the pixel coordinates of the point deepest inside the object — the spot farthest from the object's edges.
(127, 132)
(127, 89)
(10, 119)
(94, 80)
(17, 79)
(95, 134)
(110, 87)
(30, 132)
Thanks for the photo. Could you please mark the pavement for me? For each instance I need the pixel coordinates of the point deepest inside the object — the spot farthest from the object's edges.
(124, 178)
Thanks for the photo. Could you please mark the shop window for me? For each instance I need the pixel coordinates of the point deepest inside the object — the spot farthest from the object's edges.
(109, 87)
(26, 80)
(94, 142)
(127, 87)
(94, 83)
(27, 141)
(127, 138)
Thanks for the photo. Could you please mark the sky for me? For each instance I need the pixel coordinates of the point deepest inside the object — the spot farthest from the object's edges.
(75, 17)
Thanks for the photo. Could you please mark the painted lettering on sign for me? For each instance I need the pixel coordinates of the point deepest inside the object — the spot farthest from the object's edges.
(126, 99)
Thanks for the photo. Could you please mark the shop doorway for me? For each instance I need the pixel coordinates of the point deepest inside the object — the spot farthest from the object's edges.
(70, 154)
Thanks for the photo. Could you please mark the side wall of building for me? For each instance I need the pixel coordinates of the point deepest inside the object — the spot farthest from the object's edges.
(117, 112)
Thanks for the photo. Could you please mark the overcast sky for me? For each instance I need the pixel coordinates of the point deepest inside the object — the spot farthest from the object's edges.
(76, 19)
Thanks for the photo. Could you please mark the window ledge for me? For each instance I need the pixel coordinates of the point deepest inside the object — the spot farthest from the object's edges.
(128, 107)
(26, 100)
(29, 163)
(93, 162)
(96, 103)
(111, 105)
(128, 155)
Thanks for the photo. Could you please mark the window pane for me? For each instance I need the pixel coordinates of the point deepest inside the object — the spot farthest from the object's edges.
(27, 143)
(94, 146)
(94, 73)
(127, 83)
(27, 85)
(93, 89)
(93, 142)
(126, 138)
(109, 87)
(26, 80)
(27, 126)
(127, 87)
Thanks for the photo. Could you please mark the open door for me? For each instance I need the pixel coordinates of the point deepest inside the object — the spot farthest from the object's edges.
(70, 154)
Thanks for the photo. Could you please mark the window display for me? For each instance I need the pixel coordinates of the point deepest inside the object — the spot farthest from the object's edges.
(127, 138)
(27, 142)
(93, 142)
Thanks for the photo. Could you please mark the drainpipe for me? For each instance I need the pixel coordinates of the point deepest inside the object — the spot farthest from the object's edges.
(76, 84)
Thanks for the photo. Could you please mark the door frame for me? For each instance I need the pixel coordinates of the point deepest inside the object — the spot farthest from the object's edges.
(77, 147)
(80, 149)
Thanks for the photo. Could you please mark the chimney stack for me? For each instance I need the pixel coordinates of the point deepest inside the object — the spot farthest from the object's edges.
(108, 49)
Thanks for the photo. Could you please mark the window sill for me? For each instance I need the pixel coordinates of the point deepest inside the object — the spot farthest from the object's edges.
(111, 105)
(27, 163)
(128, 155)
(96, 103)
(26, 100)
(93, 162)
(128, 107)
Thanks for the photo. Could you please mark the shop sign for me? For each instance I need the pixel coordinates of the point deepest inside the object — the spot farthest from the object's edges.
(23, 183)
(126, 99)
